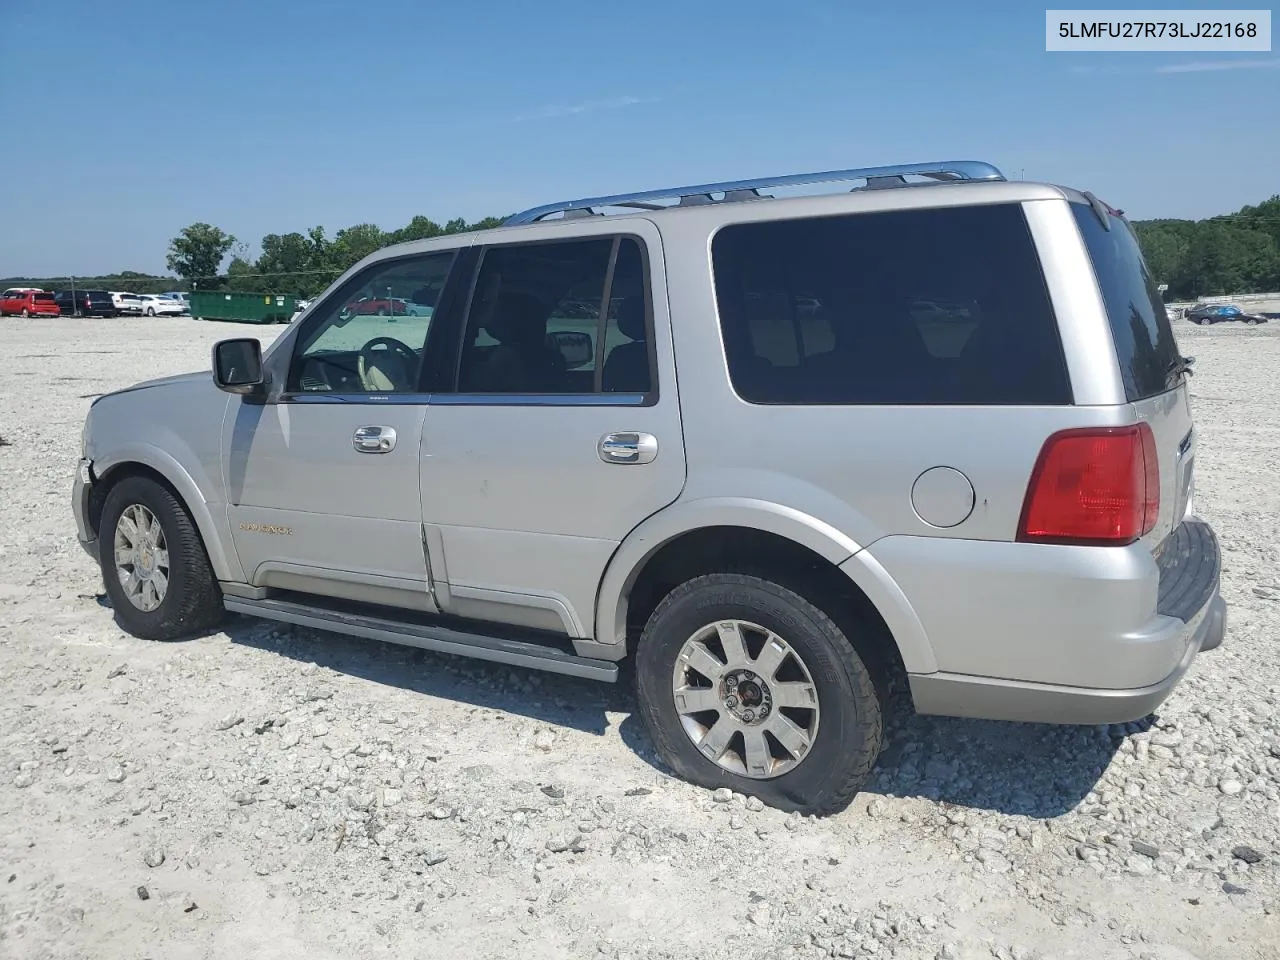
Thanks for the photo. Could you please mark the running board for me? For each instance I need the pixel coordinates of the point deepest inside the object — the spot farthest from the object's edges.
(428, 636)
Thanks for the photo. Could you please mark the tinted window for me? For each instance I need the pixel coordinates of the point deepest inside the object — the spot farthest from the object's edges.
(43, 297)
(940, 306)
(371, 334)
(1140, 327)
(558, 318)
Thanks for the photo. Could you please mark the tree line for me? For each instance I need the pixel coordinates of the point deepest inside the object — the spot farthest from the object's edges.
(295, 264)
(1229, 254)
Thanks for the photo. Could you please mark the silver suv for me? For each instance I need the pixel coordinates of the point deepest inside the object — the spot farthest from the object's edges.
(773, 448)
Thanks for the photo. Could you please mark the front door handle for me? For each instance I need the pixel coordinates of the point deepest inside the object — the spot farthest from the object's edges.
(374, 439)
(628, 447)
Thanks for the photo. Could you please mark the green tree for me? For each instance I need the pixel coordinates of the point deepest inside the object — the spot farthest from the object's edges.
(197, 252)
(419, 228)
(1226, 257)
(241, 276)
(353, 244)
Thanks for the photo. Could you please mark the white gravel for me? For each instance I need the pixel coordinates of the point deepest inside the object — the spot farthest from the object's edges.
(277, 792)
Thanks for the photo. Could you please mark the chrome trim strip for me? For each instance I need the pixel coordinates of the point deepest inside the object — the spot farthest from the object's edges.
(473, 399)
(539, 400)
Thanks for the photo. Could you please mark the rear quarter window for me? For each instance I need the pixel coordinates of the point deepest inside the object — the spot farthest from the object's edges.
(1146, 348)
(940, 306)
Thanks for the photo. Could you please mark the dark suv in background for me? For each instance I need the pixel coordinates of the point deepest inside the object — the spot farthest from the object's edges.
(86, 303)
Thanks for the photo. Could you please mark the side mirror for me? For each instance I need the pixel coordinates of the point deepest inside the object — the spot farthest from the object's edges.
(237, 365)
(574, 346)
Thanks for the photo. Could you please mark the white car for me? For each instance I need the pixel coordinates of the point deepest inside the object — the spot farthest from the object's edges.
(154, 305)
(126, 303)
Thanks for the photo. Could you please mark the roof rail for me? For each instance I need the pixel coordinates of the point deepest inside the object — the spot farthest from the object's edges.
(876, 177)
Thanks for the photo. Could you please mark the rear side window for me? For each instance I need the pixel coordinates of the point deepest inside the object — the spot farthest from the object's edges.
(1145, 345)
(943, 306)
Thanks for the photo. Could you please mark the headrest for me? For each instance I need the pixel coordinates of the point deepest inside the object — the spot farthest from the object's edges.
(631, 317)
(516, 317)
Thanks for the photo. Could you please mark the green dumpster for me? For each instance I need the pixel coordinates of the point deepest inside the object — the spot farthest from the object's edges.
(242, 307)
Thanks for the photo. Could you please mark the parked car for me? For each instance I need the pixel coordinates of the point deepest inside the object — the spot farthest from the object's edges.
(154, 305)
(86, 303)
(28, 303)
(177, 295)
(1222, 312)
(393, 306)
(127, 304)
(802, 507)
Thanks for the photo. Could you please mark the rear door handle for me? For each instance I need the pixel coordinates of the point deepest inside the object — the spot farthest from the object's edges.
(628, 447)
(374, 439)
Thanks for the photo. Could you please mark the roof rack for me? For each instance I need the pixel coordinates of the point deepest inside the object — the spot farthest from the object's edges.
(875, 177)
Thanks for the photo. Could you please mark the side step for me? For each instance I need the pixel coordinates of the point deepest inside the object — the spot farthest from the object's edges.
(428, 636)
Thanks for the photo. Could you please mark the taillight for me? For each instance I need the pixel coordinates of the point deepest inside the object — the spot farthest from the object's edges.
(1093, 486)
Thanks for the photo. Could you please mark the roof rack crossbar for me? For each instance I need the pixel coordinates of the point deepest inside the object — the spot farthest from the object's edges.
(948, 170)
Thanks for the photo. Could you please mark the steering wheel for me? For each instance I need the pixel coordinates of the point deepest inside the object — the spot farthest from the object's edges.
(375, 375)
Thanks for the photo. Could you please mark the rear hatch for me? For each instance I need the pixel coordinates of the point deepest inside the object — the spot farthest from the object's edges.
(44, 302)
(1152, 367)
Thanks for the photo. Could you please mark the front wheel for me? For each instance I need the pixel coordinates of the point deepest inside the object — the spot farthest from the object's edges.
(745, 684)
(154, 565)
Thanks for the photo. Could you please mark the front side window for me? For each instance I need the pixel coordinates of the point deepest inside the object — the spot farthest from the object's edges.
(939, 306)
(558, 318)
(370, 336)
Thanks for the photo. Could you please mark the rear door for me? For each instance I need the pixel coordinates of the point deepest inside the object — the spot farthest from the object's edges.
(1151, 365)
(562, 432)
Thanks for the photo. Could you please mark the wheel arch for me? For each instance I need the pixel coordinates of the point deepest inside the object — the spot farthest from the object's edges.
(764, 537)
(151, 462)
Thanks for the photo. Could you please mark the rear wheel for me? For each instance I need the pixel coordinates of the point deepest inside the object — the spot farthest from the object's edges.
(745, 684)
(151, 311)
(26, 312)
(154, 565)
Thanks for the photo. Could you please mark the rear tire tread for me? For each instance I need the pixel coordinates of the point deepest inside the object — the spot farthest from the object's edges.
(863, 751)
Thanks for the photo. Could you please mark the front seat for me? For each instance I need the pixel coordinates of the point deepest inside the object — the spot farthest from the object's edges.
(521, 362)
(626, 369)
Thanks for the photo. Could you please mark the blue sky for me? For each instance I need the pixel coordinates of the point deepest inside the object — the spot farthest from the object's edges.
(268, 116)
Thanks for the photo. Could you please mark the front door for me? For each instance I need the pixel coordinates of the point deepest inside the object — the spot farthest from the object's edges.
(324, 483)
(563, 432)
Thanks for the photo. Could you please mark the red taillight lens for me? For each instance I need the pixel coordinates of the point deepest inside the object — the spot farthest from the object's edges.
(1093, 486)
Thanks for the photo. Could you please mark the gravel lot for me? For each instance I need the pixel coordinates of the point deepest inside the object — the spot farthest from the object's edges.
(272, 792)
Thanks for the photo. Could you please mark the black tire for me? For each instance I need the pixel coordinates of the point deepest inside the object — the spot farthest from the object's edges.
(851, 726)
(193, 601)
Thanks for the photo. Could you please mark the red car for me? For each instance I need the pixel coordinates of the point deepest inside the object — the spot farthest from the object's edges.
(380, 306)
(29, 303)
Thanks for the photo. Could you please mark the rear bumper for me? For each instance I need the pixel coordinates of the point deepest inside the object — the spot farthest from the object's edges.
(984, 698)
(1189, 617)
